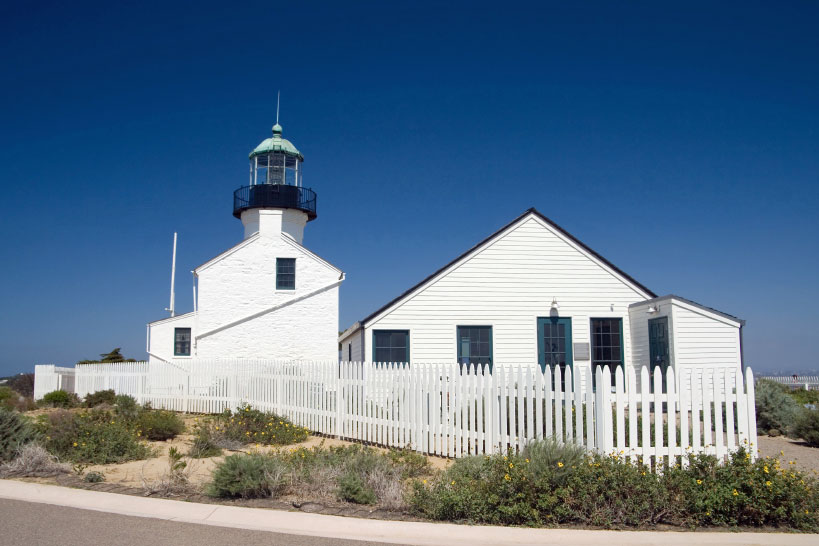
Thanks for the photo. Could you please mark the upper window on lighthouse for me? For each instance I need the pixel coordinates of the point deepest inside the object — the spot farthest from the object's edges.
(285, 273)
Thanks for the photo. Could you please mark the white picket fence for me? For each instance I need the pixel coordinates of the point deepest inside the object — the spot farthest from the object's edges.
(49, 377)
(446, 410)
(801, 382)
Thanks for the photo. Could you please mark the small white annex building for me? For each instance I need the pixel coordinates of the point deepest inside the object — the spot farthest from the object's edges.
(532, 293)
(268, 297)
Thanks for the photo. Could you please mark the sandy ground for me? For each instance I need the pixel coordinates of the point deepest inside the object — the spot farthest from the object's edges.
(805, 458)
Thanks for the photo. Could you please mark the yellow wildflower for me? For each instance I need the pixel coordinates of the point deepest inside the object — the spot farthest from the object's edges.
(699, 482)
(511, 465)
(768, 483)
(75, 444)
(453, 481)
(736, 493)
(559, 464)
(765, 469)
(507, 478)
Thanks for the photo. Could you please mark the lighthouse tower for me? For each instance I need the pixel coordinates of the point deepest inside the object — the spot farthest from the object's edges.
(267, 297)
(275, 201)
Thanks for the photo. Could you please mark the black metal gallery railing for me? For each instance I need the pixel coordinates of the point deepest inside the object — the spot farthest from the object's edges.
(275, 196)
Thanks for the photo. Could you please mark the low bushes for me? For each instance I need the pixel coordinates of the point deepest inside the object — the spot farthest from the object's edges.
(231, 430)
(613, 492)
(13, 400)
(248, 476)
(806, 426)
(15, 432)
(159, 425)
(60, 399)
(94, 399)
(775, 408)
(95, 437)
(203, 443)
(126, 407)
(353, 474)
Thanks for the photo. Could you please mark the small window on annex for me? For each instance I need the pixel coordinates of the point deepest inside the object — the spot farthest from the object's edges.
(391, 345)
(182, 342)
(285, 273)
(474, 345)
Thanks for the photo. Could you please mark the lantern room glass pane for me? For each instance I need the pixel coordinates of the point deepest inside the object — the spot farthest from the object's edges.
(276, 168)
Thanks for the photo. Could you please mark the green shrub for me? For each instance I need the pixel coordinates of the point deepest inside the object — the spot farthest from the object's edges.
(544, 456)
(248, 476)
(95, 437)
(411, 463)
(774, 407)
(94, 477)
(352, 473)
(60, 399)
(807, 427)
(616, 492)
(352, 488)
(802, 397)
(203, 445)
(13, 400)
(249, 426)
(94, 399)
(159, 425)
(5, 394)
(15, 432)
(126, 407)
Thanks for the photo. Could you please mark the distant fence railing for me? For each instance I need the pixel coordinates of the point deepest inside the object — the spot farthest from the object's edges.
(49, 377)
(452, 411)
(800, 381)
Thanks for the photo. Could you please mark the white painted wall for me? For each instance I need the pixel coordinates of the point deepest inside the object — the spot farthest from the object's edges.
(161, 336)
(351, 347)
(704, 340)
(240, 312)
(274, 221)
(699, 338)
(508, 284)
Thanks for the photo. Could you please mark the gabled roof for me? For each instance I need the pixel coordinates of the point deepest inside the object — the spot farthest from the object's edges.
(530, 212)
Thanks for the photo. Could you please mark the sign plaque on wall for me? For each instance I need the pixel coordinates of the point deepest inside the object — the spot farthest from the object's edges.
(581, 351)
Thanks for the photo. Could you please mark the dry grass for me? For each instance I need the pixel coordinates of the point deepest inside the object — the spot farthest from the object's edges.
(33, 461)
(176, 480)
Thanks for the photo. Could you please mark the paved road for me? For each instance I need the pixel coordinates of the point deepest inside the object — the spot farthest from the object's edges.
(35, 524)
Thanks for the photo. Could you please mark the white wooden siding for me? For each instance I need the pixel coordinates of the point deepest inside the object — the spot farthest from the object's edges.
(508, 284)
(704, 341)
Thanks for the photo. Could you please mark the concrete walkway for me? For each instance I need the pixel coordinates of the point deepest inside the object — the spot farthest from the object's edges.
(299, 523)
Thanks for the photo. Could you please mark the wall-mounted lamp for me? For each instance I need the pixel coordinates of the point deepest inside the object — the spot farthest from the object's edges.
(653, 309)
(555, 305)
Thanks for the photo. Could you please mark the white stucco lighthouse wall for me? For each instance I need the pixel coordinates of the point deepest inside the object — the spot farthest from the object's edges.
(241, 313)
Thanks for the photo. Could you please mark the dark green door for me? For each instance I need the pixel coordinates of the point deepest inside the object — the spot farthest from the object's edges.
(554, 344)
(658, 346)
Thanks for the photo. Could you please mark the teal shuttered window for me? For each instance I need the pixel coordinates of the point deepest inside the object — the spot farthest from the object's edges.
(606, 345)
(391, 345)
(474, 345)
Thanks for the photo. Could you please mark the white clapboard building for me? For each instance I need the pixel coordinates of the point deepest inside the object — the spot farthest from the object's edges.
(532, 293)
(268, 297)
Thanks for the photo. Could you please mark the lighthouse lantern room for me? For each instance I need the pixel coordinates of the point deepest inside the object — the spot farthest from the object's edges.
(275, 186)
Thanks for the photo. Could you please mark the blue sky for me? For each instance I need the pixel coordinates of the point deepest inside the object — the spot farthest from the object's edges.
(680, 143)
